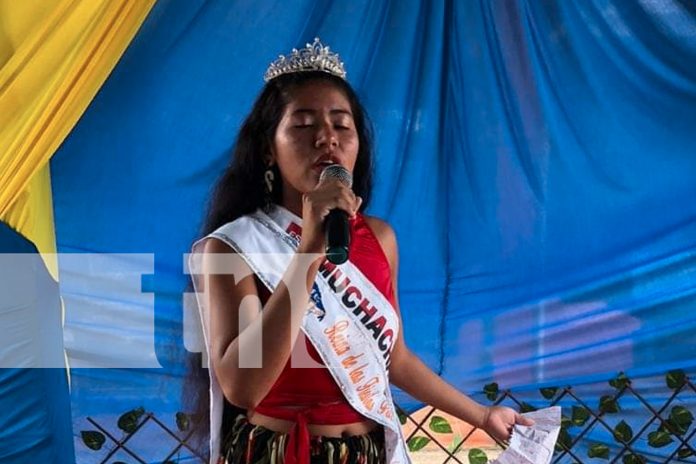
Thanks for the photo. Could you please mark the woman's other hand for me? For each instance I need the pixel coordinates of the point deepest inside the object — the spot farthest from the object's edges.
(500, 420)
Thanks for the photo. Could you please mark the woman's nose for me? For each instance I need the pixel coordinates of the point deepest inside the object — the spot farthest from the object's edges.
(326, 136)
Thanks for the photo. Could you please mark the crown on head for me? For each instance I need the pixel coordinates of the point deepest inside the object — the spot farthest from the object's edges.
(315, 57)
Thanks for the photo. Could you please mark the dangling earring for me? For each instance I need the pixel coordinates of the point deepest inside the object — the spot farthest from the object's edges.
(268, 178)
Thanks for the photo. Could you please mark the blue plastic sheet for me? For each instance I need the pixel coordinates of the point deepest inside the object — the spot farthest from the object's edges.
(35, 424)
(536, 160)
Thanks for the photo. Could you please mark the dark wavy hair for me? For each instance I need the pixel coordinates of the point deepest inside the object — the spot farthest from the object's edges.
(240, 191)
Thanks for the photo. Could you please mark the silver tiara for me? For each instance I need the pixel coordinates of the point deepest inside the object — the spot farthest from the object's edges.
(315, 57)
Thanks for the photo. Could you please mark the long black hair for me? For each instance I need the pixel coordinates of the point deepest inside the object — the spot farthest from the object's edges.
(240, 191)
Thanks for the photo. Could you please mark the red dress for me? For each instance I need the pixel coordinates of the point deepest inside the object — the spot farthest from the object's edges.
(310, 395)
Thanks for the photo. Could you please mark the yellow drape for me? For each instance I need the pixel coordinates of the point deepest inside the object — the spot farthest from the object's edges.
(54, 56)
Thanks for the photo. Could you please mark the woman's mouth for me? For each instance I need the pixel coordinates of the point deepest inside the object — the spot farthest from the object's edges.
(321, 165)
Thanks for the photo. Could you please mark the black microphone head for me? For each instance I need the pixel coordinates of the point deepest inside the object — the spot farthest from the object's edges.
(337, 171)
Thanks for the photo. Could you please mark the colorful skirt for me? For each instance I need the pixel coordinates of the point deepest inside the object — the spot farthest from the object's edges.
(247, 443)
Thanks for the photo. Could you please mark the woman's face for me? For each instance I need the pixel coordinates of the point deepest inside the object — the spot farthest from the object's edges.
(316, 129)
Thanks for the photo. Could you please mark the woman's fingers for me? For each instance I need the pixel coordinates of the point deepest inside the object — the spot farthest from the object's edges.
(328, 195)
(520, 419)
(359, 201)
(332, 194)
(501, 421)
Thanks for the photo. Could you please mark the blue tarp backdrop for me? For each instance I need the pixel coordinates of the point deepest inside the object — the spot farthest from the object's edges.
(536, 159)
(35, 424)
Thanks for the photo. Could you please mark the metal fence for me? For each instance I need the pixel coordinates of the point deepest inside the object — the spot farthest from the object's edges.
(646, 420)
(130, 424)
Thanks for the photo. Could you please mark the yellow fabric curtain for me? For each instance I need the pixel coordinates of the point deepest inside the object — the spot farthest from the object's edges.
(54, 56)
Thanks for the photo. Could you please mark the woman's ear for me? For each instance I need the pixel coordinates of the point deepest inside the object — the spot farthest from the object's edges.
(269, 155)
(269, 158)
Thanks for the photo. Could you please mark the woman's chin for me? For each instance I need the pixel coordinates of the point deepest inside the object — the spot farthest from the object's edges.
(312, 180)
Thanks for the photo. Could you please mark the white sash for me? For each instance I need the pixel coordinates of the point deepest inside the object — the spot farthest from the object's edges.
(351, 325)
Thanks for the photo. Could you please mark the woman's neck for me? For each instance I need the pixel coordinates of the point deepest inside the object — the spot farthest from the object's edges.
(292, 203)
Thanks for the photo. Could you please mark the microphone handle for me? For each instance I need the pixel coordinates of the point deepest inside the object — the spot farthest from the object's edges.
(337, 236)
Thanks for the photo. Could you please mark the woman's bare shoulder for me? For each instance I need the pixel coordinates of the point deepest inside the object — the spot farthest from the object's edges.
(215, 245)
(381, 228)
(386, 237)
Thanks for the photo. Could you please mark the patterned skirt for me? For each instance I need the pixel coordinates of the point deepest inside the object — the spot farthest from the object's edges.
(247, 443)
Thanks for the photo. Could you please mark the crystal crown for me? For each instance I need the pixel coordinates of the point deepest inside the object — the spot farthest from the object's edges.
(315, 57)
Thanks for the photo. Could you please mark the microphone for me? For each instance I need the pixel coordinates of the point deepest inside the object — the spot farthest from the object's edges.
(336, 223)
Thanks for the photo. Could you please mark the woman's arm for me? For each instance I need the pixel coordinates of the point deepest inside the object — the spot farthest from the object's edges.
(409, 373)
(276, 326)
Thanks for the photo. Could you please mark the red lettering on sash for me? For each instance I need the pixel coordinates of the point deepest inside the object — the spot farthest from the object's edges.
(336, 338)
(376, 326)
(294, 230)
(326, 268)
(385, 410)
(349, 303)
(366, 393)
(351, 360)
(367, 308)
(388, 334)
(332, 282)
(357, 374)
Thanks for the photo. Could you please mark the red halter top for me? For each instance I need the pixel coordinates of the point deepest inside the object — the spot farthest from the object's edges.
(310, 395)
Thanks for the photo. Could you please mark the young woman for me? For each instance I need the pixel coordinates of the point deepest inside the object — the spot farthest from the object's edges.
(271, 200)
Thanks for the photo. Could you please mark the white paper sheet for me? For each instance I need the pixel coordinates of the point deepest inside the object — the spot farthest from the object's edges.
(533, 444)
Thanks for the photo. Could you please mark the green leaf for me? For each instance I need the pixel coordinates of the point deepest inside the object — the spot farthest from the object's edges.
(659, 438)
(631, 458)
(477, 456)
(623, 432)
(675, 378)
(580, 415)
(672, 427)
(565, 421)
(563, 441)
(598, 450)
(669, 426)
(182, 421)
(418, 442)
(456, 441)
(620, 381)
(92, 439)
(684, 452)
(440, 425)
(491, 390)
(526, 407)
(402, 417)
(128, 421)
(682, 417)
(608, 404)
(548, 392)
